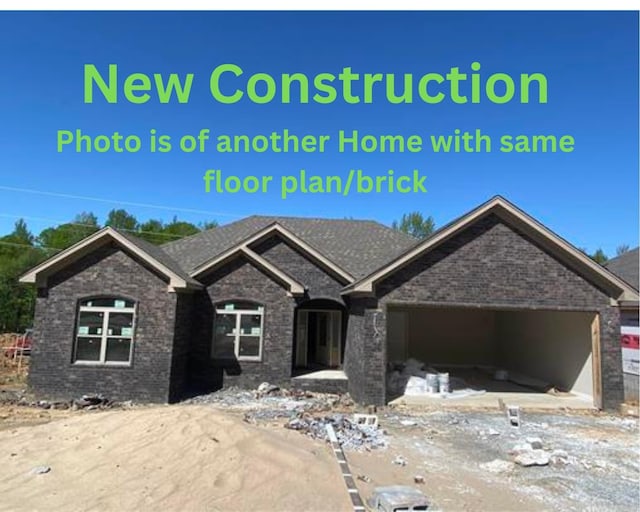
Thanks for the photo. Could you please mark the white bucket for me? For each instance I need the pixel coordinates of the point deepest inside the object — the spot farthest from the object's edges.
(432, 383)
(443, 382)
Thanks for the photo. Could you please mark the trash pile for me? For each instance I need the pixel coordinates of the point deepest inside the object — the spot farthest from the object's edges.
(269, 402)
(87, 402)
(351, 435)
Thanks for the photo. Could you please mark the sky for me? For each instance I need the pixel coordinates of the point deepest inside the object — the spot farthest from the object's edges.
(590, 59)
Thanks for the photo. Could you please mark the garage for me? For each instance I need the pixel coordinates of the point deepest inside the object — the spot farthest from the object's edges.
(495, 305)
(532, 351)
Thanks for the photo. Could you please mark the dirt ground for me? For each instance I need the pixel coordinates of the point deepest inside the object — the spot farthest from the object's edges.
(203, 456)
(602, 470)
(171, 458)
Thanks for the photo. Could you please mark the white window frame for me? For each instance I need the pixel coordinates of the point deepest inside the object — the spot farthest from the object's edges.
(105, 332)
(237, 334)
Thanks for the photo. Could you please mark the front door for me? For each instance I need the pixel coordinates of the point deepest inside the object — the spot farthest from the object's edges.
(319, 338)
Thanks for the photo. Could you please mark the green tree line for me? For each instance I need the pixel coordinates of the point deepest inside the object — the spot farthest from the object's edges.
(21, 250)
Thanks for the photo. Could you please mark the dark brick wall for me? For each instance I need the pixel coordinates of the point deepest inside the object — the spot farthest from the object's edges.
(241, 280)
(181, 346)
(319, 283)
(489, 265)
(107, 271)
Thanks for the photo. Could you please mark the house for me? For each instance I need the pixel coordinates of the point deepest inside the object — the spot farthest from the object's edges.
(625, 267)
(277, 299)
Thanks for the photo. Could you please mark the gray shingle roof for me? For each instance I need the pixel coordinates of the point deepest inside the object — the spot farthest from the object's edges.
(357, 246)
(626, 266)
(159, 255)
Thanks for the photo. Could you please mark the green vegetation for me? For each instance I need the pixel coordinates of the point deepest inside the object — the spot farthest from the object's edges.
(415, 224)
(20, 250)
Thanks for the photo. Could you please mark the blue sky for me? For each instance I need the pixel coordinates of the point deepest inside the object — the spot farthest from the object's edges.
(590, 196)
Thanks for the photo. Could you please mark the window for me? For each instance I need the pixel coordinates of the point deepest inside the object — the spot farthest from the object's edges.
(238, 331)
(104, 333)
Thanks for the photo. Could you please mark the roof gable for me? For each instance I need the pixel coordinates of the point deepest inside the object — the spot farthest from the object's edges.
(356, 247)
(150, 254)
(295, 288)
(510, 214)
(277, 229)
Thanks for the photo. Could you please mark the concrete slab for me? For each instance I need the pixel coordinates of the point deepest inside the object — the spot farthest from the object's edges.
(324, 375)
(528, 400)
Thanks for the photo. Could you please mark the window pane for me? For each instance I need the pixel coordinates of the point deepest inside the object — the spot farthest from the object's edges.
(90, 322)
(88, 349)
(120, 324)
(230, 306)
(118, 350)
(250, 324)
(250, 346)
(224, 336)
(109, 302)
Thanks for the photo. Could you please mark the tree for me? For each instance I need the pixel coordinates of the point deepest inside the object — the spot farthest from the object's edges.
(621, 249)
(152, 231)
(17, 254)
(599, 257)
(415, 225)
(180, 229)
(121, 219)
(207, 224)
(65, 235)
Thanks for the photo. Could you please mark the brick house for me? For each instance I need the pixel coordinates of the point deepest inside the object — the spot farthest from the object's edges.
(281, 299)
(626, 267)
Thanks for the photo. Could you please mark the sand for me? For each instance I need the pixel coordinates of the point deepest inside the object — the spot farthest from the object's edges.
(185, 458)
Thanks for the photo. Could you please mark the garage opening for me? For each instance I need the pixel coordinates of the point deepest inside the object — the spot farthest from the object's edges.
(485, 352)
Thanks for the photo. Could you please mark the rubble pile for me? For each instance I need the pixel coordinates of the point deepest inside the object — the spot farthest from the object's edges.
(269, 402)
(351, 436)
(88, 402)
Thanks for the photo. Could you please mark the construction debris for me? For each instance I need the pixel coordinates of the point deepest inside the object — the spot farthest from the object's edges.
(350, 435)
(513, 415)
(533, 458)
(266, 389)
(398, 497)
(400, 460)
(369, 420)
(40, 470)
(91, 402)
(497, 466)
(535, 442)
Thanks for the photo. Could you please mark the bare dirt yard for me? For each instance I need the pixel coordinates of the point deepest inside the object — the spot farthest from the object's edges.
(229, 451)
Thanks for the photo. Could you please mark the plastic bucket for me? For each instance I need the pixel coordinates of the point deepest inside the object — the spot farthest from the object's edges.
(443, 382)
(432, 383)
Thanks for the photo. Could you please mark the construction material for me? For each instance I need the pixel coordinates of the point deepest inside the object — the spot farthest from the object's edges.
(443, 383)
(432, 383)
(513, 415)
(398, 497)
(367, 420)
(349, 434)
(40, 470)
(354, 495)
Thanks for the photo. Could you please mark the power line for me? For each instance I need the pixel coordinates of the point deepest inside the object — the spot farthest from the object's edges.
(13, 244)
(113, 201)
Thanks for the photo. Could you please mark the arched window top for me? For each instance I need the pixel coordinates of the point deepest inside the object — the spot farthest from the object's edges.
(107, 302)
(239, 305)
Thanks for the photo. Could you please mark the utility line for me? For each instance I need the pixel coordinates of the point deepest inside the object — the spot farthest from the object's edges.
(13, 244)
(113, 201)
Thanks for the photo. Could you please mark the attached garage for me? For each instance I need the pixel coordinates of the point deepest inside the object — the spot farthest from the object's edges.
(540, 350)
(494, 289)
